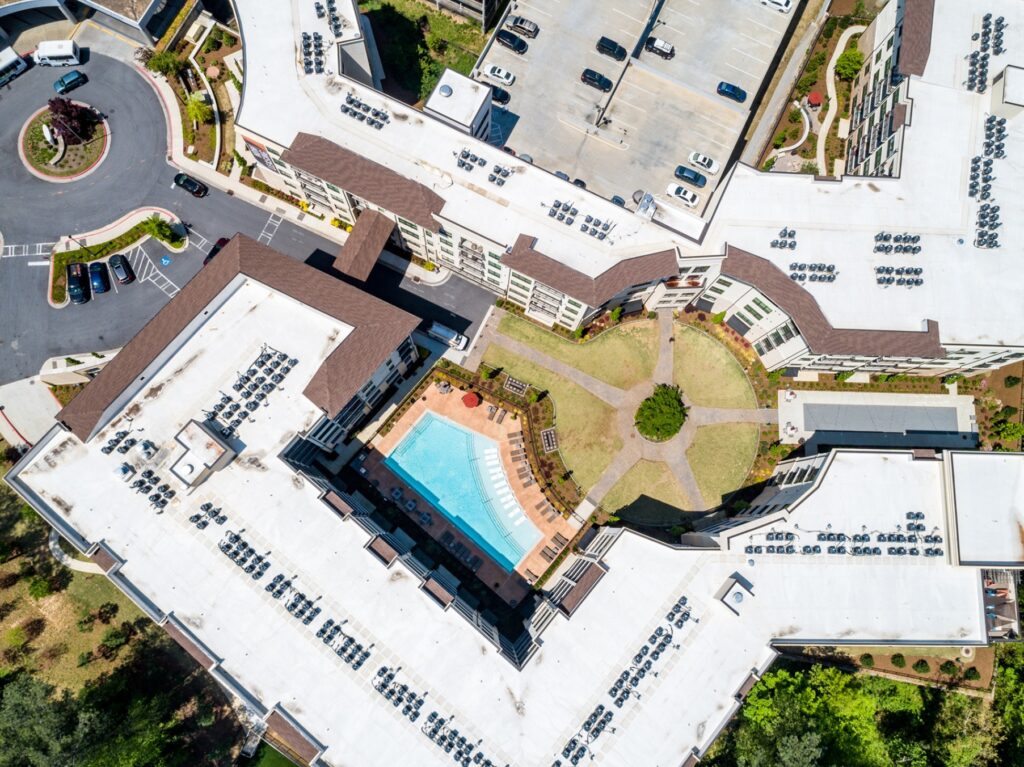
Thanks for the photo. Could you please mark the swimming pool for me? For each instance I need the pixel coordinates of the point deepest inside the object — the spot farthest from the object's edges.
(459, 472)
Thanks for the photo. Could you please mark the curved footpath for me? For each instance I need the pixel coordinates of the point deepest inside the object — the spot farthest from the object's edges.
(833, 102)
(68, 561)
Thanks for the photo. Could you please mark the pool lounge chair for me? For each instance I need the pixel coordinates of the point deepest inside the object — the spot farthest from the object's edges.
(501, 415)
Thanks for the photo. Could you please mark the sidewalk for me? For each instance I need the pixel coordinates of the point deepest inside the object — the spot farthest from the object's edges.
(414, 272)
(28, 411)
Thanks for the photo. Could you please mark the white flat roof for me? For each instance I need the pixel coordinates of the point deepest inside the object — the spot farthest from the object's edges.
(521, 717)
(988, 489)
(836, 221)
(461, 101)
(424, 149)
(1013, 85)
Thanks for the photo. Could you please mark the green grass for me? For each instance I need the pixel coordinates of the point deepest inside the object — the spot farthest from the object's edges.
(417, 42)
(587, 435)
(622, 357)
(644, 494)
(708, 373)
(721, 456)
(267, 756)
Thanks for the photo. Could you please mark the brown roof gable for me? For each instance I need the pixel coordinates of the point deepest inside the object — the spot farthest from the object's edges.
(378, 330)
(583, 586)
(592, 290)
(365, 178)
(364, 245)
(296, 742)
(916, 39)
(815, 328)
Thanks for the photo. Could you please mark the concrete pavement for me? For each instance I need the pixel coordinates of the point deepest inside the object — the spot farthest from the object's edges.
(28, 411)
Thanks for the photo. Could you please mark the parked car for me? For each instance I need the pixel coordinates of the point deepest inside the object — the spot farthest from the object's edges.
(512, 41)
(99, 277)
(782, 6)
(78, 283)
(690, 176)
(523, 26)
(562, 175)
(215, 250)
(122, 269)
(704, 162)
(70, 81)
(596, 80)
(500, 96)
(190, 185)
(618, 201)
(609, 47)
(659, 47)
(502, 76)
(730, 91)
(580, 183)
(684, 195)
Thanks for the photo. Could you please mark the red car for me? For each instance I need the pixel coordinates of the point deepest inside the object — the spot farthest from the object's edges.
(215, 250)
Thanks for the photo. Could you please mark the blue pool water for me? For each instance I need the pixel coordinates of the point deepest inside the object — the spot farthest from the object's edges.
(460, 473)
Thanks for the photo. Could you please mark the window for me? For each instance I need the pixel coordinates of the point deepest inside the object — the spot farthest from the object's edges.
(700, 269)
(743, 319)
(759, 348)
(762, 305)
(878, 56)
(753, 312)
(495, 256)
(577, 304)
(715, 289)
(409, 224)
(724, 282)
(333, 188)
(889, 42)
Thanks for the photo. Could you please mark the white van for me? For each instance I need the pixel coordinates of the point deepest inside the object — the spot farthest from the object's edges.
(11, 65)
(57, 53)
(446, 335)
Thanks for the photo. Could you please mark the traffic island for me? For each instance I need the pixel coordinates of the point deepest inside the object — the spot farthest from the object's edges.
(64, 141)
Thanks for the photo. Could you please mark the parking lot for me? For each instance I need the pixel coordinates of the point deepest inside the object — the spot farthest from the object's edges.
(658, 111)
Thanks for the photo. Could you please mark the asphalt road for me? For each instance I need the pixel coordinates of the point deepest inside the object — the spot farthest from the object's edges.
(136, 174)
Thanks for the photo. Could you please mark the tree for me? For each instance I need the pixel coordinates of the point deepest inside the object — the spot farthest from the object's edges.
(972, 674)
(197, 108)
(616, 316)
(867, 660)
(166, 63)
(1008, 431)
(965, 733)
(921, 666)
(39, 727)
(898, 660)
(16, 638)
(849, 63)
(799, 750)
(949, 668)
(157, 227)
(72, 122)
(1010, 381)
(39, 587)
(661, 415)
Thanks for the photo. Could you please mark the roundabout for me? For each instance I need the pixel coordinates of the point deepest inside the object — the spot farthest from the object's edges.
(52, 152)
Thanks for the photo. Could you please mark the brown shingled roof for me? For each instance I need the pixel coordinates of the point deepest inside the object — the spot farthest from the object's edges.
(593, 291)
(282, 732)
(190, 645)
(584, 585)
(378, 330)
(364, 244)
(365, 178)
(815, 328)
(916, 40)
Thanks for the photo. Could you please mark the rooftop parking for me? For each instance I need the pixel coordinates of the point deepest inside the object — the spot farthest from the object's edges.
(659, 110)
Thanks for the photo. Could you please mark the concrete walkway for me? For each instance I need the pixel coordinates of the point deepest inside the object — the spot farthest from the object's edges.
(635, 448)
(833, 102)
(68, 561)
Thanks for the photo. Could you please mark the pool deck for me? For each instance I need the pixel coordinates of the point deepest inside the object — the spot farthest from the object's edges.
(510, 586)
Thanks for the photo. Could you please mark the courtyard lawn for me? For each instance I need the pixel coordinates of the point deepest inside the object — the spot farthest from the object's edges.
(707, 372)
(587, 435)
(721, 456)
(648, 494)
(622, 357)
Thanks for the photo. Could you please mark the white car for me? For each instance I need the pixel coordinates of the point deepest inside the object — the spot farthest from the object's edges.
(688, 198)
(782, 6)
(502, 76)
(704, 162)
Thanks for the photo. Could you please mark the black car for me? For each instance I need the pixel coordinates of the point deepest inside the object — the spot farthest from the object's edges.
(78, 283)
(500, 96)
(190, 185)
(690, 176)
(580, 183)
(512, 41)
(99, 277)
(609, 47)
(596, 80)
(122, 269)
(215, 250)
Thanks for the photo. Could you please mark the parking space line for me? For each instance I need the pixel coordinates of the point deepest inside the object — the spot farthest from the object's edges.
(764, 26)
(631, 18)
(755, 40)
(23, 251)
(196, 239)
(694, 2)
(621, 100)
(270, 229)
(37, 263)
(739, 69)
(749, 56)
(532, 9)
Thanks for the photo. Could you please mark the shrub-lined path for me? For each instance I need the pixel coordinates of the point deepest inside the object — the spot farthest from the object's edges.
(625, 402)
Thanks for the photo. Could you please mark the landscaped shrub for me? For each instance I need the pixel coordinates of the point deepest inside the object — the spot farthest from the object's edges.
(794, 116)
(867, 660)
(39, 587)
(898, 660)
(1008, 411)
(844, 375)
(949, 668)
(661, 415)
(972, 674)
(197, 108)
(921, 666)
(72, 122)
(779, 140)
(1010, 381)
(616, 315)
(849, 64)
(769, 163)
(166, 63)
